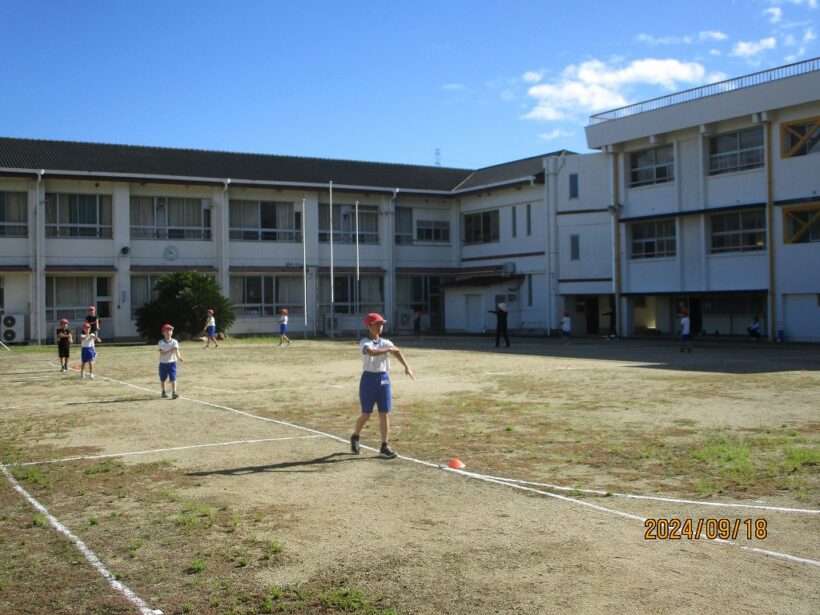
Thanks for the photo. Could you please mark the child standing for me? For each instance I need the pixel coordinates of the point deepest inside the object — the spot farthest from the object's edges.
(374, 386)
(566, 328)
(89, 353)
(210, 329)
(684, 330)
(283, 327)
(64, 340)
(168, 354)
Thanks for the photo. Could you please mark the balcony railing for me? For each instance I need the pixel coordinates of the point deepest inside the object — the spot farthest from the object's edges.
(766, 76)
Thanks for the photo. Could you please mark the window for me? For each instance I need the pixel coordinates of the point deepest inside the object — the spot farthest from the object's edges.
(800, 138)
(739, 231)
(3, 297)
(529, 219)
(78, 215)
(573, 185)
(574, 247)
(13, 214)
(481, 227)
(266, 295)
(433, 230)
(802, 224)
(653, 239)
(651, 166)
(69, 297)
(345, 300)
(513, 221)
(344, 223)
(159, 217)
(264, 221)
(419, 292)
(529, 290)
(142, 292)
(736, 151)
(404, 225)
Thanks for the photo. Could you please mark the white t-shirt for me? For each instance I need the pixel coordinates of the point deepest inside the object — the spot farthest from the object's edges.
(87, 340)
(283, 319)
(211, 321)
(377, 363)
(684, 325)
(566, 324)
(171, 357)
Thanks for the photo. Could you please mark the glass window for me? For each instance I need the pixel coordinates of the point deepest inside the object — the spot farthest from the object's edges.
(651, 166)
(78, 215)
(13, 214)
(801, 138)
(433, 230)
(266, 295)
(574, 247)
(738, 231)
(736, 151)
(573, 185)
(514, 221)
(404, 225)
(344, 223)
(653, 239)
(802, 224)
(170, 218)
(529, 219)
(481, 227)
(345, 300)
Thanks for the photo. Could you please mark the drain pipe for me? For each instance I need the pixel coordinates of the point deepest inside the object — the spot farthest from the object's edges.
(552, 168)
(37, 297)
(391, 255)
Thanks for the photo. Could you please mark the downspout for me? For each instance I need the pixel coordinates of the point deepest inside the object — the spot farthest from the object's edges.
(552, 168)
(224, 232)
(38, 298)
(616, 274)
(391, 254)
(769, 227)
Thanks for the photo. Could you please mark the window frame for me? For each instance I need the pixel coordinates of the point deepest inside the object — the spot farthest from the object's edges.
(575, 247)
(404, 226)
(655, 238)
(742, 230)
(792, 149)
(168, 208)
(658, 172)
(795, 227)
(481, 227)
(271, 287)
(61, 205)
(437, 231)
(13, 228)
(738, 151)
(344, 223)
(258, 230)
(574, 186)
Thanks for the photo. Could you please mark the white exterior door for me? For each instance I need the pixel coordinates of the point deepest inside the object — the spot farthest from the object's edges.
(475, 315)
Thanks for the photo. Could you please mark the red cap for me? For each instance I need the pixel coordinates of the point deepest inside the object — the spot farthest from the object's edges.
(63, 321)
(86, 325)
(91, 308)
(167, 326)
(284, 310)
(373, 317)
(210, 311)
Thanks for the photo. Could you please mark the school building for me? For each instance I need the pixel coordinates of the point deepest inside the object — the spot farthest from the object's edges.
(706, 198)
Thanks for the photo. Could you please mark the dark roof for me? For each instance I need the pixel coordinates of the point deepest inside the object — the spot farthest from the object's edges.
(501, 173)
(156, 162)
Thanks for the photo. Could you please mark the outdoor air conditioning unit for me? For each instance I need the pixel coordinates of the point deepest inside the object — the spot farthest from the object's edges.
(508, 268)
(14, 328)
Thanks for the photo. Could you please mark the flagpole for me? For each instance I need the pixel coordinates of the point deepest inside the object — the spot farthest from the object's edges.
(332, 294)
(304, 269)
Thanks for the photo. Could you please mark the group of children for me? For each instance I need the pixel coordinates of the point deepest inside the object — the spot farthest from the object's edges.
(89, 337)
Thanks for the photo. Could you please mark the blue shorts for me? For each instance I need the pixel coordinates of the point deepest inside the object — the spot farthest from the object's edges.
(168, 371)
(88, 355)
(283, 329)
(564, 334)
(684, 337)
(374, 389)
(211, 331)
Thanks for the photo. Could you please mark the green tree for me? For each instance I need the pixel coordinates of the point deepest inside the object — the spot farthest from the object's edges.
(183, 300)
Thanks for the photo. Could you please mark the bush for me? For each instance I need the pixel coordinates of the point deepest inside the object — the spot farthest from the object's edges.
(183, 300)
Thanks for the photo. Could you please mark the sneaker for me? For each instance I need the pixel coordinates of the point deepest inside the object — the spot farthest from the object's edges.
(82, 375)
(354, 445)
(217, 345)
(386, 452)
(174, 395)
(91, 376)
(164, 394)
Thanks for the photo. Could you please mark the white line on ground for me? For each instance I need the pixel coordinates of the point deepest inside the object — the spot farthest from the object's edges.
(81, 546)
(157, 450)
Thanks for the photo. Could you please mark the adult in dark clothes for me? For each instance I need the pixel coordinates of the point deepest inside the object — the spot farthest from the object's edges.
(501, 324)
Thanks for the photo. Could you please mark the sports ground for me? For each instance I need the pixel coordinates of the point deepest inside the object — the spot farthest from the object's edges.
(598, 478)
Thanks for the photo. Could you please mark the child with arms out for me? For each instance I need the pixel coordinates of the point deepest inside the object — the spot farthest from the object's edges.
(168, 355)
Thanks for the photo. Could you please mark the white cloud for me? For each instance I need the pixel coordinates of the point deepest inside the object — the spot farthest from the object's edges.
(749, 49)
(714, 52)
(774, 13)
(554, 134)
(712, 35)
(812, 4)
(595, 85)
(452, 86)
(532, 76)
(809, 35)
(507, 95)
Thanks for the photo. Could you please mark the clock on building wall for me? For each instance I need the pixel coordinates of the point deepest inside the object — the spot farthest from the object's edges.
(170, 253)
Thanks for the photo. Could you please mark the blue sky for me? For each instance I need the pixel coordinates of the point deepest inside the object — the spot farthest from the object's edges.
(482, 82)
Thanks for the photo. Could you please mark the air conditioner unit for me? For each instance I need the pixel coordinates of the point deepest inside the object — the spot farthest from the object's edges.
(508, 268)
(14, 328)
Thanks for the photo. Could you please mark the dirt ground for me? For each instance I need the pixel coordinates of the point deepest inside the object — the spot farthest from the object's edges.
(255, 453)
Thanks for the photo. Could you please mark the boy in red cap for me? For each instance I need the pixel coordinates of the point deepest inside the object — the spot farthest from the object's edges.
(168, 354)
(89, 353)
(93, 320)
(374, 386)
(64, 340)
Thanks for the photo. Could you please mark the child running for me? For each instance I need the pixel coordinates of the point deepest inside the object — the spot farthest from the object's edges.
(566, 328)
(64, 340)
(374, 386)
(89, 353)
(283, 327)
(210, 329)
(168, 354)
